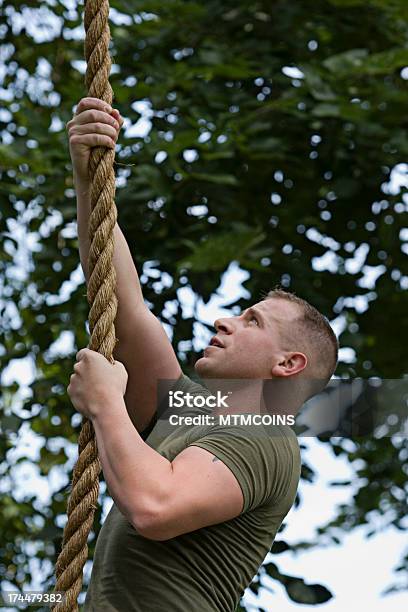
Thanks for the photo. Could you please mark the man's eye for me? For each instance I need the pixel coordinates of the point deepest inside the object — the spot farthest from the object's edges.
(253, 319)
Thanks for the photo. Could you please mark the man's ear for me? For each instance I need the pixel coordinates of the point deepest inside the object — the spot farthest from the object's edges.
(289, 364)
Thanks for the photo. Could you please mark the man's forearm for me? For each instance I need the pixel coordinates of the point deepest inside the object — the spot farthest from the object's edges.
(138, 477)
(128, 286)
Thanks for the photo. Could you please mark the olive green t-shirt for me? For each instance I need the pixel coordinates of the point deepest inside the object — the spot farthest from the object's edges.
(206, 570)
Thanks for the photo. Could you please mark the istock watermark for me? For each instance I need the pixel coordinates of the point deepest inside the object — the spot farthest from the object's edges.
(226, 403)
(179, 399)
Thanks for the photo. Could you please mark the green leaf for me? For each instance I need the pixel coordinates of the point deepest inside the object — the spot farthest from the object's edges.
(319, 89)
(346, 62)
(216, 252)
(218, 179)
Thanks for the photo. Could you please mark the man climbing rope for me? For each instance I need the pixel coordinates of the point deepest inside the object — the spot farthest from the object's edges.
(196, 508)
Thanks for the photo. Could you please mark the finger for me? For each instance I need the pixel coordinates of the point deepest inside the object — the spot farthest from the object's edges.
(88, 102)
(80, 354)
(92, 140)
(96, 116)
(117, 116)
(85, 353)
(76, 367)
(94, 128)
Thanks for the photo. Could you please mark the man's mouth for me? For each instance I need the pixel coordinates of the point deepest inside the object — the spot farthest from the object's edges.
(216, 342)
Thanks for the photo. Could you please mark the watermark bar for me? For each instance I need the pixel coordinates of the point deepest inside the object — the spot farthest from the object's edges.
(349, 408)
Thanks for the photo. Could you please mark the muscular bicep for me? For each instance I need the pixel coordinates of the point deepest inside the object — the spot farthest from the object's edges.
(203, 492)
(148, 356)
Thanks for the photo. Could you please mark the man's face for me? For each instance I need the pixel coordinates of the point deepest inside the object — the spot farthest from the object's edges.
(248, 345)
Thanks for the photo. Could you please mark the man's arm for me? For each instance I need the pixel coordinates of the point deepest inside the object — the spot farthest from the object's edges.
(162, 499)
(202, 491)
(143, 346)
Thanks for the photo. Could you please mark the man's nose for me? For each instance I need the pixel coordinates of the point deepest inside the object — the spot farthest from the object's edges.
(224, 325)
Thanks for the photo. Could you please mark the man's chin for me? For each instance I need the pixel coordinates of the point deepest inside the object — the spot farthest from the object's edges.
(205, 368)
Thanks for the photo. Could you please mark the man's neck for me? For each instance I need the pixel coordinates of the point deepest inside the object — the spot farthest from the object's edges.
(242, 396)
(274, 396)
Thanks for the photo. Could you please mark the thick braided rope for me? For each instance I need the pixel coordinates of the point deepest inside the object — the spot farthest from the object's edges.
(103, 307)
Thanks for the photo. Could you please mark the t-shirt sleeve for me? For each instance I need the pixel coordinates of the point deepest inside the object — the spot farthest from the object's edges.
(261, 463)
(183, 384)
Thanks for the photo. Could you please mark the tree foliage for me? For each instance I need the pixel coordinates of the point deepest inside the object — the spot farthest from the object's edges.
(277, 131)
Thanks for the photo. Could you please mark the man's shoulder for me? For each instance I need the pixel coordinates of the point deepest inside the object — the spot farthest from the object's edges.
(179, 394)
(188, 384)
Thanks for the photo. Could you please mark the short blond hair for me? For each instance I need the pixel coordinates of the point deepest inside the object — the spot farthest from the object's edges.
(312, 333)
